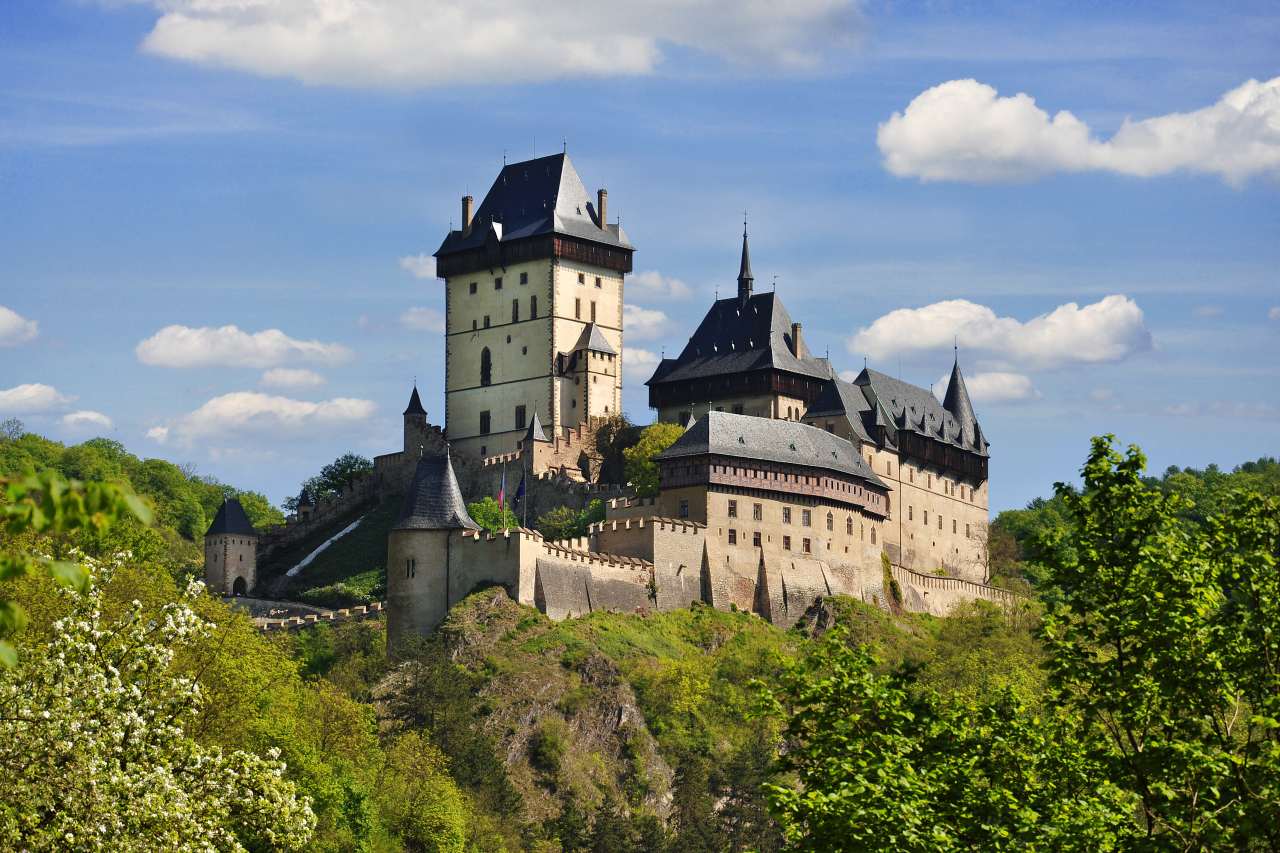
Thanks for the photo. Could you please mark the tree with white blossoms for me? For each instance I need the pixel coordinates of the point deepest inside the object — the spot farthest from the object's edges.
(93, 753)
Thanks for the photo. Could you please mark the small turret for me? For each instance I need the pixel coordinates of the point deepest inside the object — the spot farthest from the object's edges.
(231, 551)
(415, 423)
(956, 401)
(745, 279)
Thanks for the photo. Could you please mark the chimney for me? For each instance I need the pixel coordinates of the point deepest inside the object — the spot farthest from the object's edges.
(795, 339)
(466, 213)
(602, 207)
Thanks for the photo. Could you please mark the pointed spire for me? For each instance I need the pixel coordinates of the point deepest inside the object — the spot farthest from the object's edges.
(957, 401)
(745, 279)
(415, 403)
(535, 432)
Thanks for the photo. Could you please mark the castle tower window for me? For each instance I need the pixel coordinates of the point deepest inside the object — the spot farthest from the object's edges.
(939, 522)
(524, 278)
(911, 513)
(410, 567)
(473, 325)
(486, 321)
(755, 538)
(577, 308)
(515, 310)
(733, 536)
(486, 363)
(757, 512)
(806, 546)
(533, 307)
(966, 530)
(848, 526)
(953, 525)
(873, 536)
(831, 521)
(806, 518)
(926, 518)
(733, 509)
(683, 511)
(786, 543)
(593, 311)
(786, 515)
(497, 283)
(598, 281)
(484, 423)
(520, 417)
(582, 278)
(473, 288)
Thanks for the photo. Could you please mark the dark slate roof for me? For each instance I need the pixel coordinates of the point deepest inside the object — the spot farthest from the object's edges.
(305, 498)
(913, 409)
(534, 198)
(737, 337)
(770, 440)
(745, 278)
(434, 500)
(535, 432)
(956, 400)
(415, 404)
(594, 340)
(844, 399)
(231, 519)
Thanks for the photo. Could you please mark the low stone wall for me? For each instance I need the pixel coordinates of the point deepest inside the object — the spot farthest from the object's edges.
(348, 614)
(938, 595)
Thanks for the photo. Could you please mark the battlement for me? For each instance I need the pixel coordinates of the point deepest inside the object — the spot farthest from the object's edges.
(658, 523)
(524, 533)
(595, 558)
(349, 614)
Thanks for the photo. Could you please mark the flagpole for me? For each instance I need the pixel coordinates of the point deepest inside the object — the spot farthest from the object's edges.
(524, 499)
(502, 495)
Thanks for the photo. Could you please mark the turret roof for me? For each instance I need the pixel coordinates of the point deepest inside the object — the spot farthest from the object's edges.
(231, 519)
(535, 432)
(415, 404)
(434, 500)
(594, 340)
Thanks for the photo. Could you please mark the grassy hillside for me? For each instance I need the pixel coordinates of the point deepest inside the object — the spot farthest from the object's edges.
(352, 570)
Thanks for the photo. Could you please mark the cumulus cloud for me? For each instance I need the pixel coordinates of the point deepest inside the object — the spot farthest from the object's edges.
(31, 398)
(1108, 330)
(654, 284)
(638, 364)
(228, 346)
(291, 377)
(86, 418)
(15, 329)
(963, 130)
(994, 387)
(249, 413)
(419, 266)
(423, 320)
(416, 43)
(644, 324)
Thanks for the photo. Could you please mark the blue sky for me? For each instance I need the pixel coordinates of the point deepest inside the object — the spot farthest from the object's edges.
(279, 165)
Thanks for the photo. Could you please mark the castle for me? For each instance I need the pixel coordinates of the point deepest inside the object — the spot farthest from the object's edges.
(788, 483)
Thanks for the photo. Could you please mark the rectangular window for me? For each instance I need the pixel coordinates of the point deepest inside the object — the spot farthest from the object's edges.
(931, 481)
(939, 522)
(966, 530)
(515, 310)
(524, 278)
(911, 513)
(806, 546)
(733, 536)
(786, 515)
(953, 526)
(684, 509)
(577, 309)
(520, 417)
(733, 509)
(582, 278)
(410, 567)
(757, 512)
(593, 312)
(484, 423)
(786, 543)
(497, 283)
(597, 281)
(473, 325)
(755, 538)
(912, 472)
(486, 321)
(889, 468)
(926, 517)
(806, 518)
(473, 288)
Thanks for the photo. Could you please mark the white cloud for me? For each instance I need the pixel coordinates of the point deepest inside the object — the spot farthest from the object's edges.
(31, 398)
(414, 43)
(248, 413)
(994, 387)
(291, 377)
(1108, 330)
(15, 329)
(644, 324)
(228, 346)
(962, 130)
(423, 320)
(1224, 409)
(86, 418)
(638, 364)
(419, 266)
(654, 284)
(1208, 311)
(1274, 313)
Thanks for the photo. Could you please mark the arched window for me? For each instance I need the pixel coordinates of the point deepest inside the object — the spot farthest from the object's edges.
(486, 366)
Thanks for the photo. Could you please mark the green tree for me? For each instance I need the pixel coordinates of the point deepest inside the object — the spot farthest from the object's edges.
(565, 523)
(421, 803)
(95, 755)
(491, 516)
(641, 470)
(1166, 637)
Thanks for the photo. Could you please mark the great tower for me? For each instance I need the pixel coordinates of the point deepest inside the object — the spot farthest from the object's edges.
(533, 306)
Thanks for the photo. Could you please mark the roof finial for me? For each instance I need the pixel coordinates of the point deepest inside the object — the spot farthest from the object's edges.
(775, 282)
(564, 145)
(504, 157)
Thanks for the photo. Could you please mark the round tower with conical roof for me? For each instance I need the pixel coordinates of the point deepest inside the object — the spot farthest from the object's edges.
(231, 551)
(420, 564)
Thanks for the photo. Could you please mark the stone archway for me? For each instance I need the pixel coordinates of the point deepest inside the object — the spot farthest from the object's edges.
(239, 587)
